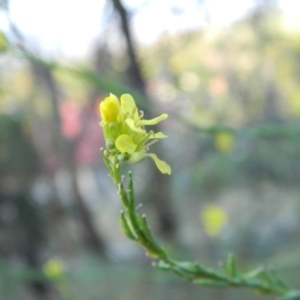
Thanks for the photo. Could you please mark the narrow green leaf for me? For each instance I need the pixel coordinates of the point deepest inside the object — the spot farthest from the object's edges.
(231, 266)
(150, 236)
(162, 266)
(127, 228)
(267, 277)
(210, 283)
(193, 268)
(123, 195)
(279, 281)
(131, 191)
(254, 273)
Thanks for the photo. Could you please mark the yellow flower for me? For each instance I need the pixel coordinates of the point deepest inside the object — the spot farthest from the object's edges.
(54, 268)
(125, 133)
(214, 218)
(224, 141)
(132, 118)
(109, 109)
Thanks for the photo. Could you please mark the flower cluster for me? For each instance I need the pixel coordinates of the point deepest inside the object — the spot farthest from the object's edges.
(125, 134)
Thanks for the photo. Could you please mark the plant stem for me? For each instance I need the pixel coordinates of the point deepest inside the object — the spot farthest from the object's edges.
(137, 228)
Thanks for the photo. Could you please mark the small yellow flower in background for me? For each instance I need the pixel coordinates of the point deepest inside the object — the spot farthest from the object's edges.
(54, 268)
(125, 134)
(224, 141)
(214, 218)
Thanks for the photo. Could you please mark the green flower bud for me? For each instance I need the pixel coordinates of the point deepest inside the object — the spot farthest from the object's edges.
(110, 144)
(122, 157)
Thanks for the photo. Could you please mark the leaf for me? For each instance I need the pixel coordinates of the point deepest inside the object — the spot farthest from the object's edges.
(126, 227)
(210, 283)
(231, 266)
(131, 191)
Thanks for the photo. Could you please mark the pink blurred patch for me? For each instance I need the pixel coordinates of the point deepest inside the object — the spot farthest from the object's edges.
(87, 150)
(71, 120)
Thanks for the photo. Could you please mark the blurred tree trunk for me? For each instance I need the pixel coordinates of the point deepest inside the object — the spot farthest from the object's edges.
(134, 69)
(23, 230)
(65, 151)
(159, 192)
(32, 233)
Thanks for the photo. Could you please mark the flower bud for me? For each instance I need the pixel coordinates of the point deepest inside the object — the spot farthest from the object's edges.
(110, 144)
(109, 109)
(122, 157)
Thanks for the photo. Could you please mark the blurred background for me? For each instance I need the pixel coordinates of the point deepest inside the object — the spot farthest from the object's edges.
(228, 75)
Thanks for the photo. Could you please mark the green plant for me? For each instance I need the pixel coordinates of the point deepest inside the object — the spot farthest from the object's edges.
(128, 141)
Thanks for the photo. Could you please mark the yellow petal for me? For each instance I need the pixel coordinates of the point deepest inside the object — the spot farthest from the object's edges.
(154, 121)
(109, 109)
(159, 135)
(124, 144)
(131, 125)
(161, 165)
(128, 103)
